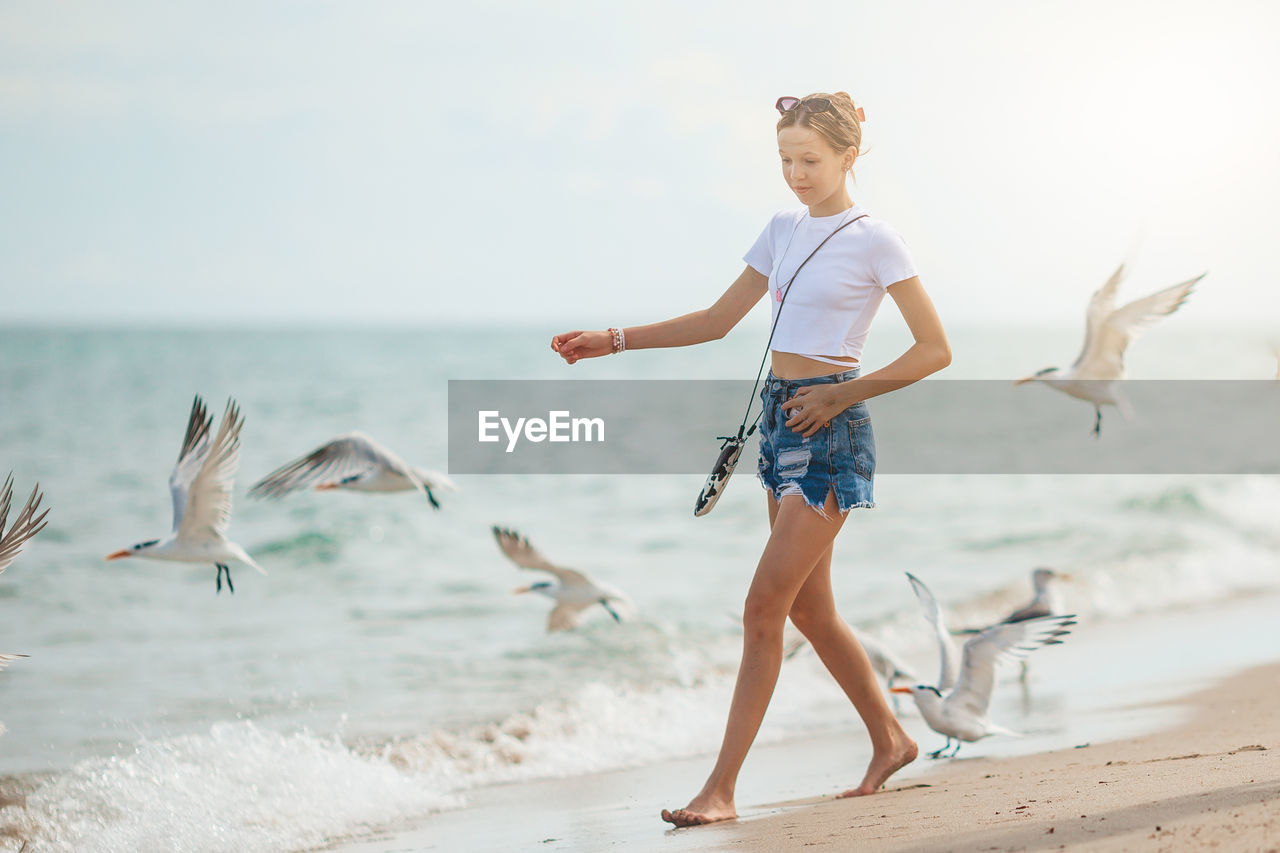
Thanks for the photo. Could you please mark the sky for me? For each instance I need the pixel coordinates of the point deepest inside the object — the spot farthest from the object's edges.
(584, 164)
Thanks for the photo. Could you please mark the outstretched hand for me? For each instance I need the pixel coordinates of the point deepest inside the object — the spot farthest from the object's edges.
(813, 407)
(575, 345)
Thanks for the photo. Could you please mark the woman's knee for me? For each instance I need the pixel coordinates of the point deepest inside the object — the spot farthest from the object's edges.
(764, 612)
(814, 620)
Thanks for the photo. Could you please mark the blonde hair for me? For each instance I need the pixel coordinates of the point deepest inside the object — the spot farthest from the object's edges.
(839, 125)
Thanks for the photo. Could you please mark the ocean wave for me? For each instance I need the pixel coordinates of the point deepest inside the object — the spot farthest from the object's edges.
(243, 787)
(240, 787)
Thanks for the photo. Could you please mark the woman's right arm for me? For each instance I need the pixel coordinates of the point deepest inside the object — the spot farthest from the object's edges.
(707, 325)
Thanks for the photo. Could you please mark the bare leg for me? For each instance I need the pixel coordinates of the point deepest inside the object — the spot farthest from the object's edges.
(798, 538)
(814, 613)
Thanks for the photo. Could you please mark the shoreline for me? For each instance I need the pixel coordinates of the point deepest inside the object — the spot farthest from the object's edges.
(1211, 781)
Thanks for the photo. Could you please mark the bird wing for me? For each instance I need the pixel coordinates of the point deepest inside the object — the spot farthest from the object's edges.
(208, 509)
(524, 555)
(1104, 356)
(195, 446)
(947, 652)
(1100, 305)
(566, 615)
(25, 525)
(1034, 610)
(5, 658)
(972, 694)
(346, 456)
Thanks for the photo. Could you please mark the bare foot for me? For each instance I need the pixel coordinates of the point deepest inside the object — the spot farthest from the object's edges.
(701, 809)
(882, 767)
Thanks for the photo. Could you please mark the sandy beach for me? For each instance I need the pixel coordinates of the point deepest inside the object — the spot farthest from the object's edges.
(1212, 783)
(1177, 754)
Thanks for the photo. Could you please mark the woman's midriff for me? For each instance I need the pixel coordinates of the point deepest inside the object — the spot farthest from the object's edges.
(790, 365)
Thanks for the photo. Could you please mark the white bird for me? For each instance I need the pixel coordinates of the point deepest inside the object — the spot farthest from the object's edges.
(1047, 600)
(201, 489)
(1108, 332)
(961, 713)
(575, 591)
(352, 461)
(948, 654)
(25, 525)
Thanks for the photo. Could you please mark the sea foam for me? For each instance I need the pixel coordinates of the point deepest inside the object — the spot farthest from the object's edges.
(240, 787)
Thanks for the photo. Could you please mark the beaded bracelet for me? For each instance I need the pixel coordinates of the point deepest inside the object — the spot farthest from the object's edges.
(619, 340)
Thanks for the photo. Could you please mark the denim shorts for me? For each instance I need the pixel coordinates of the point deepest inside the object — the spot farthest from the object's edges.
(840, 457)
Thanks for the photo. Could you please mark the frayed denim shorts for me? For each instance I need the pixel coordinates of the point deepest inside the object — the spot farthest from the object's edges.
(840, 457)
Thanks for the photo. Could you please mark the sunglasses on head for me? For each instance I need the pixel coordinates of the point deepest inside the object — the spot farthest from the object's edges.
(813, 105)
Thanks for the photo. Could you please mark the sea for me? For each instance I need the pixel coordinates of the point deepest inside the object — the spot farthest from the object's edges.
(383, 671)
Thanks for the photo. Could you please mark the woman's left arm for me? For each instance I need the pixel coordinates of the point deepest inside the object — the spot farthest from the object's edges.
(929, 354)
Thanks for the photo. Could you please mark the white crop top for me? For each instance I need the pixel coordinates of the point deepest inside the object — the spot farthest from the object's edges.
(834, 298)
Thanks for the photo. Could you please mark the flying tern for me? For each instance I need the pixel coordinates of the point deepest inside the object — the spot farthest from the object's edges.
(1094, 375)
(575, 592)
(960, 714)
(201, 489)
(356, 462)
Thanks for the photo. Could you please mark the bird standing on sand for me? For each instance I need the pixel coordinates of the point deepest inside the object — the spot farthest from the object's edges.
(1108, 332)
(575, 591)
(201, 489)
(961, 713)
(356, 462)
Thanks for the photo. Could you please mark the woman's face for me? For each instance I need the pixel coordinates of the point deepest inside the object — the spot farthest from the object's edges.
(811, 167)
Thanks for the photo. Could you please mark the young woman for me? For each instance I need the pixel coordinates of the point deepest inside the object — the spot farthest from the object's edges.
(817, 450)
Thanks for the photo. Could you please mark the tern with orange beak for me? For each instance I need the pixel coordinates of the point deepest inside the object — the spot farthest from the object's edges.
(575, 592)
(1108, 331)
(201, 485)
(961, 713)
